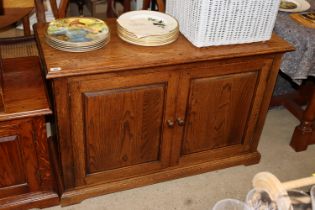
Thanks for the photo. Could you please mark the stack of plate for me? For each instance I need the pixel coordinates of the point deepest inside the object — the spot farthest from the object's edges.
(77, 34)
(294, 5)
(147, 28)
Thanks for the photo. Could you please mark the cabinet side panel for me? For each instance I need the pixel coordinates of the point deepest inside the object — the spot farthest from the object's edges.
(218, 110)
(123, 127)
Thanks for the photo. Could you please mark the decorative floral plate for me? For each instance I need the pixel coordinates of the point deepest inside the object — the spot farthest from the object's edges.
(77, 30)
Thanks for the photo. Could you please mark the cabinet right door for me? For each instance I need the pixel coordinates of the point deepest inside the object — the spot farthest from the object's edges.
(217, 109)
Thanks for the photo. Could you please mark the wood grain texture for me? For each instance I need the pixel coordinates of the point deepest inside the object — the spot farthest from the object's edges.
(242, 105)
(77, 195)
(215, 104)
(25, 174)
(118, 132)
(29, 155)
(265, 98)
(20, 167)
(44, 166)
(13, 15)
(130, 115)
(302, 20)
(304, 133)
(33, 100)
(12, 170)
(119, 128)
(118, 55)
(65, 144)
(29, 201)
(1, 85)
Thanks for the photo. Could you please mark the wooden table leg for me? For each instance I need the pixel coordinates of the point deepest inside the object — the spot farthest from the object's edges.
(110, 12)
(26, 25)
(127, 6)
(303, 133)
(1, 85)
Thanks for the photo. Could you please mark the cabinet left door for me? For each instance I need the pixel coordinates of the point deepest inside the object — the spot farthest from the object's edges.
(121, 125)
(18, 165)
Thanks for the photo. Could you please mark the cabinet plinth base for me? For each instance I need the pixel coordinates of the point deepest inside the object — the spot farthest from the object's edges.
(30, 200)
(77, 195)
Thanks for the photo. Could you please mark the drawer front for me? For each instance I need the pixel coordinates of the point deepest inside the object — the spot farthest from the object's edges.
(119, 128)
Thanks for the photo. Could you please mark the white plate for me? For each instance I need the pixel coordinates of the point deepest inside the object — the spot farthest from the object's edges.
(148, 44)
(302, 5)
(147, 23)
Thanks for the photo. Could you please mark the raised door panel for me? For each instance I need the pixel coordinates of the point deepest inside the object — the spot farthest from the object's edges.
(18, 165)
(220, 105)
(123, 127)
(120, 128)
(11, 166)
(217, 111)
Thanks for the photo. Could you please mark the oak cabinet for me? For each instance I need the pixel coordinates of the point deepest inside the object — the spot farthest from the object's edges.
(128, 125)
(130, 115)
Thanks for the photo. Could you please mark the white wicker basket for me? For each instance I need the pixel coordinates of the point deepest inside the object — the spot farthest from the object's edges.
(221, 22)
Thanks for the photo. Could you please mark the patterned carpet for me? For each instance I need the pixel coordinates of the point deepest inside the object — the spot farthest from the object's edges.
(17, 49)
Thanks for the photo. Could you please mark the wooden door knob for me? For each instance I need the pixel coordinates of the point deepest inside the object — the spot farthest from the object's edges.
(170, 123)
(180, 121)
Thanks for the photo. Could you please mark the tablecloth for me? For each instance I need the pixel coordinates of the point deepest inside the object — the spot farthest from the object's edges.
(300, 64)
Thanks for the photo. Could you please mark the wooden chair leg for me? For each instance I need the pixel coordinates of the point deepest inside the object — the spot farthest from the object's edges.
(161, 5)
(146, 4)
(110, 12)
(303, 133)
(1, 8)
(26, 25)
(127, 6)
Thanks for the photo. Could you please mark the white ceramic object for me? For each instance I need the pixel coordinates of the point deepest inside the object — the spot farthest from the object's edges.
(302, 5)
(147, 28)
(144, 23)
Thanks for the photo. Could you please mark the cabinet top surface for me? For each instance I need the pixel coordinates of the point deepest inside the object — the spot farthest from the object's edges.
(24, 93)
(118, 55)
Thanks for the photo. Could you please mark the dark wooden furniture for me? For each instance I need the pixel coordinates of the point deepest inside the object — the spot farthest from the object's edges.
(129, 115)
(14, 11)
(26, 179)
(304, 133)
(111, 10)
(25, 174)
(13, 15)
(159, 3)
(299, 68)
(58, 11)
